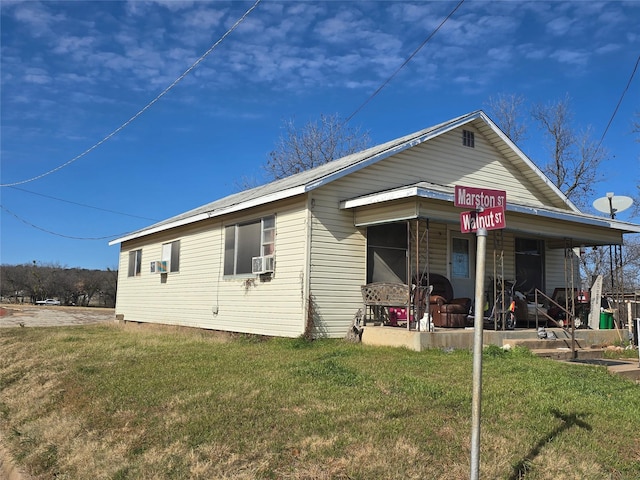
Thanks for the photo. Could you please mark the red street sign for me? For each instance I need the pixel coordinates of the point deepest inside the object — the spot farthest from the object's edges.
(489, 219)
(476, 198)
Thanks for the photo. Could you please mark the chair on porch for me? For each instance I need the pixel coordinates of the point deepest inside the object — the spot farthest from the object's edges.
(445, 310)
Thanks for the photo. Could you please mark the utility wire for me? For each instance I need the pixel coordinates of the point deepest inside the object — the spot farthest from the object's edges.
(144, 109)
(84, 204)
(384, 84)
(55, 233)
(619, 101)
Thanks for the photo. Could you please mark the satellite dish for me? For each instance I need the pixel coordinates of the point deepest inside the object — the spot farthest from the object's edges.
(612, 204)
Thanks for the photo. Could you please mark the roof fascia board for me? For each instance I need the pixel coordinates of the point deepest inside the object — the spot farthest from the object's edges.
(397, 194)
(213, 213)
(160, 228)
(422, 192)
(575, 218)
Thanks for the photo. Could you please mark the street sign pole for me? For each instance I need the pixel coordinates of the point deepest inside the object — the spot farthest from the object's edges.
(488, 207)
(478, 318)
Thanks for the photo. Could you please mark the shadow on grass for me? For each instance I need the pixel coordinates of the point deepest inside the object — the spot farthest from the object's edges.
(568, 421)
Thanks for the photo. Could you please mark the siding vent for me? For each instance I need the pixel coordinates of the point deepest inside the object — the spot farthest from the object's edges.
(468, 139)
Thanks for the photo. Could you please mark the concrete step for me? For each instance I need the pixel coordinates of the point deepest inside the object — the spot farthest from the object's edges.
(536, 343)
(565, 353)
(625, 368)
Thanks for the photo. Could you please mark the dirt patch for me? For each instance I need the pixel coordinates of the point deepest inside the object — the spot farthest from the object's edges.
(52, 316)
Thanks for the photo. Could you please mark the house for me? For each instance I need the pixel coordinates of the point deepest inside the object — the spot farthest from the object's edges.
(294, 254)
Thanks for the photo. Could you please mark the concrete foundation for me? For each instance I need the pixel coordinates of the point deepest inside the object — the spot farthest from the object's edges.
(463, 338)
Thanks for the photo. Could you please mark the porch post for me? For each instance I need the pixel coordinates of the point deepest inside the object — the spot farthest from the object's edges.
(481, 248)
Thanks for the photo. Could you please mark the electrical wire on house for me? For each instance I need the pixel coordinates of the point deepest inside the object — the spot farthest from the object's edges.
(384, 84)
(55, 233)
(144, 109)
(84, 205)
(633, 73)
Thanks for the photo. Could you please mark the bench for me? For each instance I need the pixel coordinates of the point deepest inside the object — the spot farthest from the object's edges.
(385, 303)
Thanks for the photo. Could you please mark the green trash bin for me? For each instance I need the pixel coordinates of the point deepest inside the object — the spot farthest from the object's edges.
(606, 320)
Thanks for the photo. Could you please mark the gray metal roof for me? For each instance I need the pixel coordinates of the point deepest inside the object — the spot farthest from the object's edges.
(311, 179)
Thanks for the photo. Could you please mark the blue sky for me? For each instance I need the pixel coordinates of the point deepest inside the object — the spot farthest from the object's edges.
(73, 72)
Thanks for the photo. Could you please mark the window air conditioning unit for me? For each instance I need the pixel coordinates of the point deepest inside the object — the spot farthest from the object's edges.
(262, 264)
(158, 267)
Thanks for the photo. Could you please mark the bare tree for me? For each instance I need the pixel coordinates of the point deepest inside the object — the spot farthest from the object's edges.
(574, 157)
(319, 142)
(32, 282)
(507, 109)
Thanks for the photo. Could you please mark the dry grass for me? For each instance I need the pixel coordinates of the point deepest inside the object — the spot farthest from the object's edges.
(163, 402)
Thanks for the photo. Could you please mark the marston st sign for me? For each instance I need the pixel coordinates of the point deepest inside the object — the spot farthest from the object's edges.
(476, 198)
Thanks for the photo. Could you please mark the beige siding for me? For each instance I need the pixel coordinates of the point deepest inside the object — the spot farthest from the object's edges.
(191, 296)
(445, 161)
(559, 271)
(338, 264)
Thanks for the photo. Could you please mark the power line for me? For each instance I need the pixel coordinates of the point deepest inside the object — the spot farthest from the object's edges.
(144, 109)
(84, 204)
(384, 84)
(55, 233)
(619, 101)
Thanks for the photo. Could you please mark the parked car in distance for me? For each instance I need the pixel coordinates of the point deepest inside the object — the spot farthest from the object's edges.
(48, 301)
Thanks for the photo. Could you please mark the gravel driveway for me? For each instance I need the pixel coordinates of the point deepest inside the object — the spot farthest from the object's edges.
(49, 316)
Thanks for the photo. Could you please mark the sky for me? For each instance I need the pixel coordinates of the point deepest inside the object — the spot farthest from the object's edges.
(77, 173)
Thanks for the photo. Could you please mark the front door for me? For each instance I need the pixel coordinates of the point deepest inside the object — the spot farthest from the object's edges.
(462, 265)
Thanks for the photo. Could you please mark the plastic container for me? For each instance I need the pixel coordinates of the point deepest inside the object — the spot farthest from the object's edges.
(606, 320)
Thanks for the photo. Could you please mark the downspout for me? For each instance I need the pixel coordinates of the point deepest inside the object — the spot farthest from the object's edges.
(306, 273)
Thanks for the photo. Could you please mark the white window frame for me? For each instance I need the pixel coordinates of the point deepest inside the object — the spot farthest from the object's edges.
(135, 263)
(171, 255)
(265, 245)
(468, 139)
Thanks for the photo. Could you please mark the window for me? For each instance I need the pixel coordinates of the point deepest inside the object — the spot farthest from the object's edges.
(244, 241)
(460, 257)
(468, 139)
(529, 264)
(171, 255)
(387, 253)
(135, 263)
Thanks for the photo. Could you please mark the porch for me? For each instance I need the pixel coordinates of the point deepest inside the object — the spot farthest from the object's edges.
(413, 237)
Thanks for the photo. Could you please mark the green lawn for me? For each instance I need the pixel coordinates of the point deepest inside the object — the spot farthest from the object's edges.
(113, 402)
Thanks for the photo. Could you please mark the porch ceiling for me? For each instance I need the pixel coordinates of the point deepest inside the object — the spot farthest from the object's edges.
(435, 202)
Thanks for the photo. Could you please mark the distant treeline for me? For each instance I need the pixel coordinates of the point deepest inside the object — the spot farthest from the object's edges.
(29, 283)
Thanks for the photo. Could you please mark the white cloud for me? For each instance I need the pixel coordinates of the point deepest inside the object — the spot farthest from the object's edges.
(608, 48)
(37, 76)
(571, 57)
(38, 18)
(560, 26)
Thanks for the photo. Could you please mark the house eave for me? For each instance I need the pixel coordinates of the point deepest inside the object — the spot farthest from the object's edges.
(255, 202)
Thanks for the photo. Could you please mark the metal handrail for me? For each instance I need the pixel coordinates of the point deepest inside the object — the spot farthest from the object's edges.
(570, 315)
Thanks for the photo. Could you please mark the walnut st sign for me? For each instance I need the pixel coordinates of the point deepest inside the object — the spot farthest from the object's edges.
(489, 219)
(488, 208)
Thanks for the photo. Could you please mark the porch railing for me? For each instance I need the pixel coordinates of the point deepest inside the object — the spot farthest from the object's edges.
(569, 316)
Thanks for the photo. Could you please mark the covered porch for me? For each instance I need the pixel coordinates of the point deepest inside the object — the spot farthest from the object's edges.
(413, 237)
